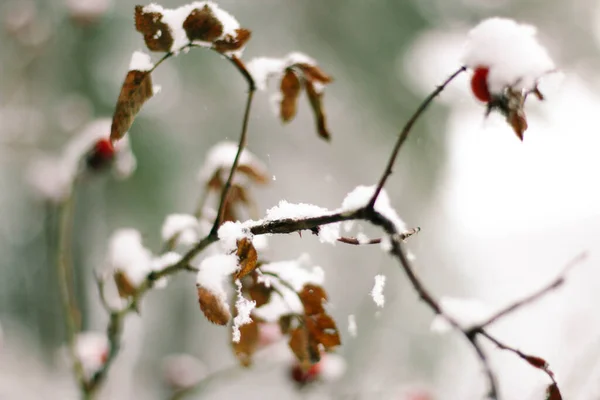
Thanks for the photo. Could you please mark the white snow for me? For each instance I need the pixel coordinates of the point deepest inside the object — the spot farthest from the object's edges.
(230, 232)
(163, 261)
(386, 244)
(510, 50)
(327, 233)
(296, 274)
(184, 226)
(220, 158)
(360, 196)
(140, 61)
(264, 68)
(466, 312)
(174, 18)
(352, 328)
(213, 273)
(244, 308)
(333, 367)
(362, 238)
(377, 291)
(91, 349)
(183, 370)
(126, 254)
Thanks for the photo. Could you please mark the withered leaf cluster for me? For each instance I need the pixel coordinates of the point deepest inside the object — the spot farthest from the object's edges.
(511, 104)
(201, 25)
(312, 79)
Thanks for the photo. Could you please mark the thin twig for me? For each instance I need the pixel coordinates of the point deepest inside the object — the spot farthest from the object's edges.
(242, 142)
(358, 242)
(63, 268)
(534, 296)
(404, 134)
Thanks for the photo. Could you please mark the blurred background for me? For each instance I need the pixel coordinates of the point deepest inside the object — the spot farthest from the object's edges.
(499, 218)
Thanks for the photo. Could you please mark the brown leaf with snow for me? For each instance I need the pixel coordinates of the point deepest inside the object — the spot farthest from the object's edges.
(157, 34)
(233, 43)
(136, 90)
(202, 25)
(313, 73)
(290, 90)
(312, 298)
(213, 307)
(247, 257)
(315, 98)
(124, 286)
(248, 343)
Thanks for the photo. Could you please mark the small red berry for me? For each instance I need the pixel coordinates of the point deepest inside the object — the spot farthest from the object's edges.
(303, 377)
(479, 84)
(101, 155)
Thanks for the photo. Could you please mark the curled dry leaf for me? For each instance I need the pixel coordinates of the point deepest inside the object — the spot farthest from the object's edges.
(323, 330)
(290, 90)
(315, 99)
(245, 348)
(247, 257)
(553, 393)
(157, 34)
(230, 43)
(537, 362)
(124, 286)
(306, 350)
(254, 174)
(285, 323)
(136, 90)
(313, 73)
(202, 25)
(312, 298)
(214, 309)
(260, 293)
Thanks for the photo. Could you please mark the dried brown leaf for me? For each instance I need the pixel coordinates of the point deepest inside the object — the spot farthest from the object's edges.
(231, 43)
(247, 257)
(314, 74)
(553, 393)
(124, 286)
(290, 90)
(285, 323)
(213, 307)
(323, 330)
(136, 90)
(256, 175)
(312, 298)
(260, 293)
(518, 122)
(157, 34)
(202, 25)
(306, 350)
(315, 98)
(248, 343)
(537, 362)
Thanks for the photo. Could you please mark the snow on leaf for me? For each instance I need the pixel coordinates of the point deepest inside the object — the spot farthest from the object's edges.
(92, 351)
(129, 261)
(157, 34)
(377, 291)
(230, 233)
(243, 309)
(359, 197)
(323, 330)
(213, 307)
(212, 274)
(232, 43)
(220, 158)
(136, 90)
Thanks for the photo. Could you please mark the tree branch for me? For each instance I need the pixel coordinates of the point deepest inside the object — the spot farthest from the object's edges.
(356, 242)
(406, 130)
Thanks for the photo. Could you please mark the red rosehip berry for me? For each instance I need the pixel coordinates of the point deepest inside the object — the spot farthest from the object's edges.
(479, 84)
(101, 154)
(303, 377)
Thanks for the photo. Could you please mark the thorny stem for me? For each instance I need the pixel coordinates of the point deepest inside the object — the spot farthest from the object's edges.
(65, 276)
(406, 130)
